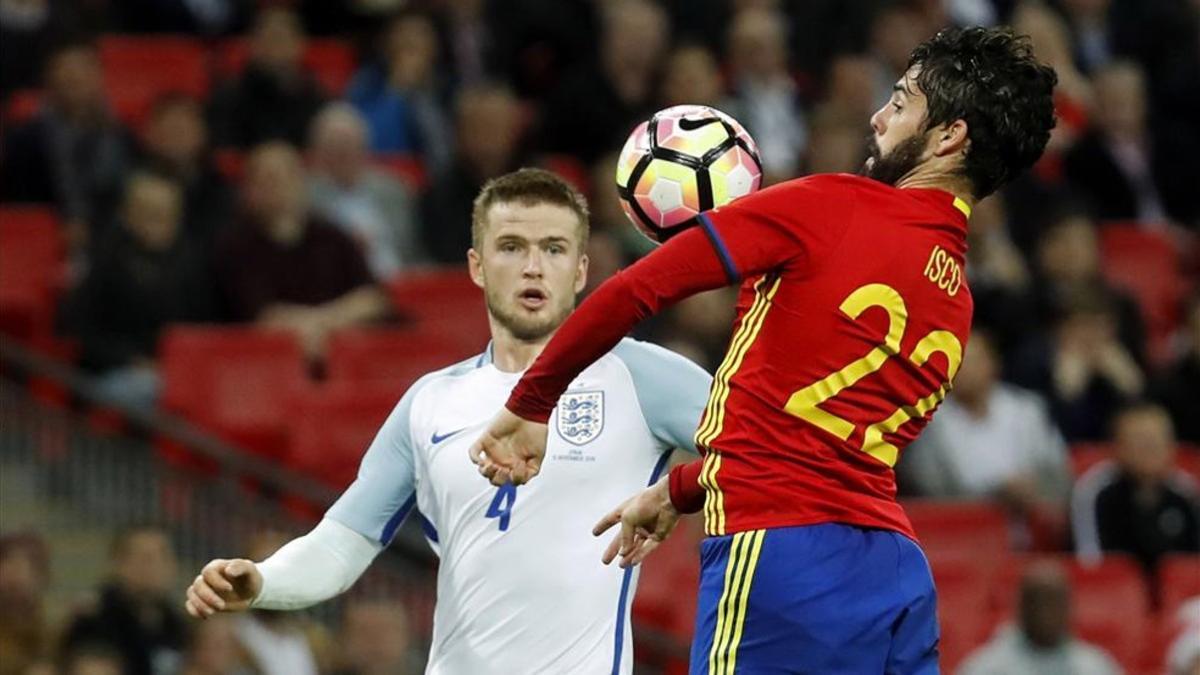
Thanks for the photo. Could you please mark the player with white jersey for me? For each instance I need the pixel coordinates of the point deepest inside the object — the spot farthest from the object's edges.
(520, 585)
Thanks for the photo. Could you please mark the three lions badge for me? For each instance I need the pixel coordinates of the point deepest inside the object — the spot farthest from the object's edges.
(580, 416)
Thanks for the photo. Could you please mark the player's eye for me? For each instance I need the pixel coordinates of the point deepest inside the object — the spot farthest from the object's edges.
(897, 106)
(509, 247)
(556, 249)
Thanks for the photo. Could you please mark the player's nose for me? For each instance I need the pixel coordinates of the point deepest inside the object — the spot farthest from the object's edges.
(877, 124)
(533, 263)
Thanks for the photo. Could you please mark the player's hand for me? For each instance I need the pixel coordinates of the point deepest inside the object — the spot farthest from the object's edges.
(223, 586)
(511, 449)
(646, 520)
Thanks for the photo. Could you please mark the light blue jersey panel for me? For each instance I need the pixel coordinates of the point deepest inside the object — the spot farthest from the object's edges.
(672, 391)
(383, 493)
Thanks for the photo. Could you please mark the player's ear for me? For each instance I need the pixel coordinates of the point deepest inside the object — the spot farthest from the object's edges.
(475, 266)
(951, 138)
(581, 272)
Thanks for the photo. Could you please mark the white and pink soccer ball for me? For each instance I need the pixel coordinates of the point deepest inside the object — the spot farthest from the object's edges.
(682, 161)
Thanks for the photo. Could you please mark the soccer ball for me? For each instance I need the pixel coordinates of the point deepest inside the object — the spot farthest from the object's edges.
(684, 160)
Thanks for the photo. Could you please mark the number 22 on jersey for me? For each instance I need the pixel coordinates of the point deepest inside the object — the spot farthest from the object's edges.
(806, 402)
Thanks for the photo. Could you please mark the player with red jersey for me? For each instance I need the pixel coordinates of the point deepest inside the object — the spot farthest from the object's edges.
(851, 323)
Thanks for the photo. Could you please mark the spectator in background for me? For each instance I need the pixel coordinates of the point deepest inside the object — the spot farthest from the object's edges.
(991, 440)
(136, 615)
(470, 41)
(282, 268)
(1179, 387)
(1041, 642)
(1126, 171)
(275, 97)
(147, 274)
(281, 643)
(1089, 22)
(764, 96)
(598, 105)
(175, 143)
(376, 640)
(28, 28)
(691, 76)
(214, 650)
(24, 579)
(487, 127)
(1138, 503)
(94, 659)
(895, 31)
(836, 145)
(1000, 280)
(1051, 39)
(399, 95)
(1069, 262)
(371, 206)
(73, 153)
(1080, 366)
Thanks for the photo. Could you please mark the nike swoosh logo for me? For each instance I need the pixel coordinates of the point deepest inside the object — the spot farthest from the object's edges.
(690, 124)
(438, 439)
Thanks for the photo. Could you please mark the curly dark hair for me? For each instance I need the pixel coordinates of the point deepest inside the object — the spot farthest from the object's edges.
(989, 78)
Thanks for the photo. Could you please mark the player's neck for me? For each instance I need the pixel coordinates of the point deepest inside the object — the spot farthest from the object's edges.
(929, 177)
(512, 355)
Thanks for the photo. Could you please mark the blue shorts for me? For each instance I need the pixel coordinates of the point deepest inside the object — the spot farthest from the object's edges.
(816, 599)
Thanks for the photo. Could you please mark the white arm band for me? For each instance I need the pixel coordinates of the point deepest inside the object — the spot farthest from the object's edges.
(315, 567)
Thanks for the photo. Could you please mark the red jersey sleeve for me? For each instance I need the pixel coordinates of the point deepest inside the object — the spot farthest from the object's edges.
(791, 224)
(687, 495)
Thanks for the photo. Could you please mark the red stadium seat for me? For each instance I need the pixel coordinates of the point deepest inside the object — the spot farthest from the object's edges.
(332, 62)
(332, 426)
(569, 169)
(398, 357)
(140, 69)
(407, 168)
(231, 163)
(1147, 264)
(1086, 455)
(31, 269)
(22, 105)
(443, 301)
(1178, 581)
(963, 585)
(235, 381)
(957, 527)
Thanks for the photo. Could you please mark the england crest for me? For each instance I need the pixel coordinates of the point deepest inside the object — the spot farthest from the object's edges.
(580, 416)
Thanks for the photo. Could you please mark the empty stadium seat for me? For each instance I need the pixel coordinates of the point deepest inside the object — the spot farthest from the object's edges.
(31, 270)
(963, 586)
(1146, 263)
(443, 301)
(238, 382)
(332, 426)
(954, 527)
(1178, 581)
(1086, 455)
(396, 356)
(332, 62)
(140, 69)
(21, 106)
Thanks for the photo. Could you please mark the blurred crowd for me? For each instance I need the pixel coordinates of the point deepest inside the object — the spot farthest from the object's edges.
(276, 199)
(133, 624)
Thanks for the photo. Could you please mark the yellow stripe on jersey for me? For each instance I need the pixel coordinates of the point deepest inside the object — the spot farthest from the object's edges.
(735, 594)
(962, 206)
(714, 414)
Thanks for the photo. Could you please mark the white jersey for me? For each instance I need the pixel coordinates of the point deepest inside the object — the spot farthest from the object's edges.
(521, 588)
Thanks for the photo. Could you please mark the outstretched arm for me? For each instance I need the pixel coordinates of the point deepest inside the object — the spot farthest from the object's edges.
(307, 570)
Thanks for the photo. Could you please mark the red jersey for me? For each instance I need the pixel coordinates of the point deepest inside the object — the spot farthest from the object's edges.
(851, 322)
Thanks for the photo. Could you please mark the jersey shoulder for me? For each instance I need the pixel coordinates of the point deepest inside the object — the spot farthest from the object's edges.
(434, 384)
